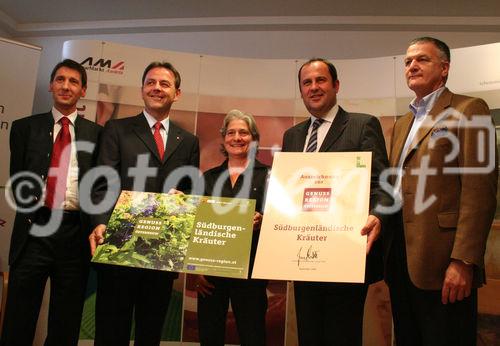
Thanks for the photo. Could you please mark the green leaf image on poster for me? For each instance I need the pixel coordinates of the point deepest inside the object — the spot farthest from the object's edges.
(156, 231)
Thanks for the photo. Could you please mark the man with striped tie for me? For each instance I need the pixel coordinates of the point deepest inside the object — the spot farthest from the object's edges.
(330, 313)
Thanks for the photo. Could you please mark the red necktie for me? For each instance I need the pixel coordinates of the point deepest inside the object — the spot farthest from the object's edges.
(159, 140)
(56, 180)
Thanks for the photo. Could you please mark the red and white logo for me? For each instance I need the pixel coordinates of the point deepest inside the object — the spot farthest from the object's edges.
(316, 199)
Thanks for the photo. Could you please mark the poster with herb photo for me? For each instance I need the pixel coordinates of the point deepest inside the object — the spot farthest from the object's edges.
(181, 233)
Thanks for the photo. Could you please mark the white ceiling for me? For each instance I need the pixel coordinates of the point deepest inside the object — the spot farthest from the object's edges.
(76, 17)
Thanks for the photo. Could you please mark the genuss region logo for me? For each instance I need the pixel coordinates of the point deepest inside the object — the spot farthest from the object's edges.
(316, 199)
(103, 65)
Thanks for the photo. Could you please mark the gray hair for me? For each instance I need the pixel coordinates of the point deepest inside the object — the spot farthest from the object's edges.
(236, 114)
(442, 47)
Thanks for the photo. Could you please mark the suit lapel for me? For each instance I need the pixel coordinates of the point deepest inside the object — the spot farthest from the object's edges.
(82, 131)
(430, 120)
(336, 129)
(404, 126)
(47, 129)
(80, 135)
(143, 131)
(299, 136)
(43, 136)
(173, 139)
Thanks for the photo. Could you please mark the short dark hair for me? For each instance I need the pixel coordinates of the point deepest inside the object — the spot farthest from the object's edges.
(165, 65)
(331, 68)
(440, 45)
(71, 64)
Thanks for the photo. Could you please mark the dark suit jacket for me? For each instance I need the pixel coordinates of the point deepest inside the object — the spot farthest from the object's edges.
(457, 224)
(258, 186)
(31, 142)
(121, 143)
(353, 132)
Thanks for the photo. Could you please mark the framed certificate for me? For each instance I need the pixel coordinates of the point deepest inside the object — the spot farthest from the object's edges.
(316, 206)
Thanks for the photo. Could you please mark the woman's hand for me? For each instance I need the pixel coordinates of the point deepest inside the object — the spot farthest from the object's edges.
(203, 286)
(257, 220)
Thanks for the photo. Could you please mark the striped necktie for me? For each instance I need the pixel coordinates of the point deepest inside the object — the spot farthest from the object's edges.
(313, 139)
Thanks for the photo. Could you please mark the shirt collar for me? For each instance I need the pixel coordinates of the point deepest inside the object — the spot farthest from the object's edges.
(424, 106)
(330, 116)
(58, 115)
(152, 121)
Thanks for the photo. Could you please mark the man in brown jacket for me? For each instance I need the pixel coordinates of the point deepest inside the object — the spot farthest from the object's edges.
(445, 157)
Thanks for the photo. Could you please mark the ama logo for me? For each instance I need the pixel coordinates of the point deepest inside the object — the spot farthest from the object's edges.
(103, 65)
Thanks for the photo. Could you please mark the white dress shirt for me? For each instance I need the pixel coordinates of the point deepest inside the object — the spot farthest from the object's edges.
(323, 128)
(163, 130)
(71, 197)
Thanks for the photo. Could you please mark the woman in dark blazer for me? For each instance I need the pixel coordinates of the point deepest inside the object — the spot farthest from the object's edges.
(248, 297)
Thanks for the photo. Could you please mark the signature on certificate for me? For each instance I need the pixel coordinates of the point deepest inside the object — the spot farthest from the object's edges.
(305, 255)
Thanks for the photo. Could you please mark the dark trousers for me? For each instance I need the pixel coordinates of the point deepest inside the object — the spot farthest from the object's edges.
(123, 292)
(64, 258)
(329, 313)
(249, 303)
(420, 319)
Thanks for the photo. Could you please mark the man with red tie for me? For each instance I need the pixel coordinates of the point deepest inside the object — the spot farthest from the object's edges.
(146, 151)
(50, 154)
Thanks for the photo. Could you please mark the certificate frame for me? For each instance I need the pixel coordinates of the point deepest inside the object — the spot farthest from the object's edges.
(316, 206)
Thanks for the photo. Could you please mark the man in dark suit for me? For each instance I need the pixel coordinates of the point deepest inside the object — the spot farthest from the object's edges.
(50, 197)
(332, 313)
(447, 181)
(139, 142)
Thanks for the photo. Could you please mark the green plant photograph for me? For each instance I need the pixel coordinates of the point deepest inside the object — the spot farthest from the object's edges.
(149, 230)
